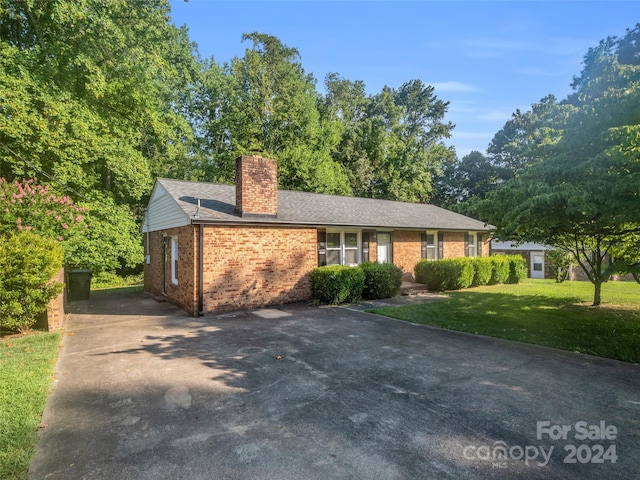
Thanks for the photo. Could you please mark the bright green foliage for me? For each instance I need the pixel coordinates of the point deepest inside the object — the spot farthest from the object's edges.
(381, 280)
(95, 94)
(391, 143)
(582, 193)
(482, 268)
(92, 93)
(446, 274)
(112, 240)
(28, 262)
(560, 262)
(500, 270)
(265, 102)
(26, 367)
(518, 269)
(336, 284)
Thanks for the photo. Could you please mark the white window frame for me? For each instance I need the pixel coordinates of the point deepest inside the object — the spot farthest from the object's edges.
(434, 246)
(471, 248)
(174, 260)
(343, 248)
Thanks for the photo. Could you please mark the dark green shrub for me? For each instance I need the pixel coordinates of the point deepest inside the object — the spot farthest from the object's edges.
(500, 271)
(447, 274)
(381, 280)
(433, 273)
(517, 269)
(483, 267)
(28, 262)
(464, 274)
(337, 284)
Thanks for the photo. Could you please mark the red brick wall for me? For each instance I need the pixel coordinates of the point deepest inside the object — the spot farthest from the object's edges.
(407, 250)
(453, 245)
(256, 186)
(249, 267)
(53, 318)
(184, 294)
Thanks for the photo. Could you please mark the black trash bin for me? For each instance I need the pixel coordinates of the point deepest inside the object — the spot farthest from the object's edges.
(79, 285)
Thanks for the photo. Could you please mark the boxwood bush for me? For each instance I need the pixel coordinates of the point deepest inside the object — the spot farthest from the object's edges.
(517, 269)
(483, 267)
(500, 272)
(335, 284)
(381, 280)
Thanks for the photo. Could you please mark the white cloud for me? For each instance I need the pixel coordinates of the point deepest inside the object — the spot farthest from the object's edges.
(453, 86)
(552, 46)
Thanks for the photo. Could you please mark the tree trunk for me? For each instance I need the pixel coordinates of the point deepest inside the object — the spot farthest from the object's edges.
(596, 293)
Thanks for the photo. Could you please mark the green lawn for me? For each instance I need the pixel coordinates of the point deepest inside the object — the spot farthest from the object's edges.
(541, 312)
(26, 369)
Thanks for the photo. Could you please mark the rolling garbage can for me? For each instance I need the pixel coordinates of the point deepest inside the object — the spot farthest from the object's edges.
(79, 285)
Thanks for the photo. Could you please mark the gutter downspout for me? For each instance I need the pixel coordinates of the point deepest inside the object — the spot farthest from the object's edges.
(200, 268)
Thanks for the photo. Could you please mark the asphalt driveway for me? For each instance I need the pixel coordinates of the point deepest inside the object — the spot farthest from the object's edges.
(143, 391)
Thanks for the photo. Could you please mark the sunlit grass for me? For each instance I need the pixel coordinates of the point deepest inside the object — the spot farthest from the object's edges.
(26, 368)
(541, 312)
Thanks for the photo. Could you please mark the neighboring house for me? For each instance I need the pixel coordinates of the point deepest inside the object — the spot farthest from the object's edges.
(533, 253)
(214, 248)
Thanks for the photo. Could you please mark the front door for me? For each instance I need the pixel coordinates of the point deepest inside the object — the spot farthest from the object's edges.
(384, 247)
(537, 264)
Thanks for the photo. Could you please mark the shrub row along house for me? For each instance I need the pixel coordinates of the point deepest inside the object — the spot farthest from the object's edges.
(214, 248)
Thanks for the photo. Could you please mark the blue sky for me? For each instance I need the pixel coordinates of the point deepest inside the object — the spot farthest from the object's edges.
(486, 58)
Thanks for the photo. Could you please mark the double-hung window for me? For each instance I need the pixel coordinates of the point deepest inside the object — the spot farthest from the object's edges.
(429, 250)
(174, 260)
(343, 248)
(470, 244)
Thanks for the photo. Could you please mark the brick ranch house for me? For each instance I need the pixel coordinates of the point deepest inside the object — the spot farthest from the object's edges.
(214, 248)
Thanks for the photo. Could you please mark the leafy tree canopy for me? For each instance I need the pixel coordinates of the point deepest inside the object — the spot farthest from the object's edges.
(582, 193)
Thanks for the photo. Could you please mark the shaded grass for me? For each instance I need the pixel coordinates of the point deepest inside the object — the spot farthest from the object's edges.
(543, 313)
(26, 369)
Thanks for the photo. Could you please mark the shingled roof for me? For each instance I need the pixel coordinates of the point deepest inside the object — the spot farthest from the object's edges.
(217, 205)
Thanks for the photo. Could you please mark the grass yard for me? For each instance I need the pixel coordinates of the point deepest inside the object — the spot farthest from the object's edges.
(541, 312)
(26, 369)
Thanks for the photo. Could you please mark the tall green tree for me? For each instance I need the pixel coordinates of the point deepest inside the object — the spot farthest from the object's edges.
(525, 137)
(584, 192)
(471, 177)
(93, 99)
(265, 102)
(391, 142)
(91, 93)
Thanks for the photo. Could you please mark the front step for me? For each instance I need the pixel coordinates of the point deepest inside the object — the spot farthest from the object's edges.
(412, 288)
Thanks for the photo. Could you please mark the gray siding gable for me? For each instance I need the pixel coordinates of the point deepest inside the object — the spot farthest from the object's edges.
(217, 205)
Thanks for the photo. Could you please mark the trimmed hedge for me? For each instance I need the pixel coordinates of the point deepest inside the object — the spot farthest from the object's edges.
(335, 284)
(517, 269)
(500, 272)
(483, 267)
(448, 274)
(458, 273)
(381, 280)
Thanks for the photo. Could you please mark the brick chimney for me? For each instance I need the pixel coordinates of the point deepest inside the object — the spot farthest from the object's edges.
(256, 187)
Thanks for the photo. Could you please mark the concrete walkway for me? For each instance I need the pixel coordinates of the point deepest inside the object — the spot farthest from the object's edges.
(143, 391)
